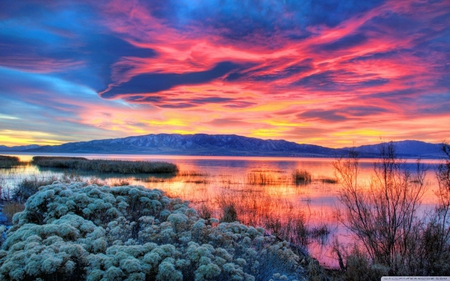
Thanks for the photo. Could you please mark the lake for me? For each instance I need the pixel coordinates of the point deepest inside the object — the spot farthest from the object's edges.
(261, 189)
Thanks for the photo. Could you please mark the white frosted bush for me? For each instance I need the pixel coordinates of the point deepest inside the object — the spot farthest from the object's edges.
(130, 265)
(164, 214)
(234, 270)
(51, 263)
(114, 273)
(167, 271)
(207, 272)
(95, 275)
(178, 221)
(136, 276)
(78, 232)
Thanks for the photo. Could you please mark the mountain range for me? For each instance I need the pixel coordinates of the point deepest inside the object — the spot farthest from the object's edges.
(223, 145)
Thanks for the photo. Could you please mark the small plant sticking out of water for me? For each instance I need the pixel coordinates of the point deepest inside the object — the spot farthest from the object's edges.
(301, 177)
(329, 180)
(9, 161)
(320, 233)
(193, 174)
(261, 178)
(229, 214)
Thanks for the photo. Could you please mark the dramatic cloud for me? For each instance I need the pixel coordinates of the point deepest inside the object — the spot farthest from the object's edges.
(325, 72)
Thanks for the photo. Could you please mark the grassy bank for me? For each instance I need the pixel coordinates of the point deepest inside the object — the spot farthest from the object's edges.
(9, 161)
(104, 166)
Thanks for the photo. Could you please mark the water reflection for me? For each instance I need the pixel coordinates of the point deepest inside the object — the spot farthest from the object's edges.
(262, 191)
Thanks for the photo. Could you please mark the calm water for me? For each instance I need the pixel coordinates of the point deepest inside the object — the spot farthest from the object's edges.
(214, 182)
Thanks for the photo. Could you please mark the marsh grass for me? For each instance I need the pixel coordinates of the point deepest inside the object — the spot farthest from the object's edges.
(261, 178)
(193, 174)
(120, 182)
(268, 206)
(229, 214)
(11, 208)
(10, 161)
(105, 166)
(29, 186)
(301, 177)
(260, 198)
(205, 212)
(329, 180)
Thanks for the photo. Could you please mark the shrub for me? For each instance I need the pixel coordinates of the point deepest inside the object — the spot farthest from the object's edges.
(383, 216)
(205, 212)
(77, 232)
(30, 186)
(229, 214)
(301, 177)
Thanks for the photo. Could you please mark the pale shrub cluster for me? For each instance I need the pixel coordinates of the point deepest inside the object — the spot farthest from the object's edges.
(76, 232)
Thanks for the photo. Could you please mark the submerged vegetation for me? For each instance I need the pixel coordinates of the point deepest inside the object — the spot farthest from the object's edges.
(105, 166)
(9, 161)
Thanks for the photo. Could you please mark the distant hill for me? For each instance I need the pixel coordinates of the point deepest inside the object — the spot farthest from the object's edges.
(222, 145)
(18, 148)
(406, 149)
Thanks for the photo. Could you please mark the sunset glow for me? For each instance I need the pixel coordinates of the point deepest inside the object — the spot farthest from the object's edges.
(331, 73)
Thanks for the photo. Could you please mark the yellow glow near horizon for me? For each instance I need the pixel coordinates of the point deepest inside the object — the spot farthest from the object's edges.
(361, 132)
(18, 138)
(268, 133)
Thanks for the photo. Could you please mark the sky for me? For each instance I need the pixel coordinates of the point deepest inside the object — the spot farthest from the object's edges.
(331, 73)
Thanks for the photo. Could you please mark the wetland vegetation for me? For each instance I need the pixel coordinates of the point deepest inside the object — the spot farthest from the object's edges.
(105, 166)
(267, 198)
(9, 161)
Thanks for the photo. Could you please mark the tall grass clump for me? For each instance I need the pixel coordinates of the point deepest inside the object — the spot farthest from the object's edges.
(9, 161)
(105, 166)
(29, 186)
(11, 208)
(301, 177)
(229, 214)
(261, 178)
